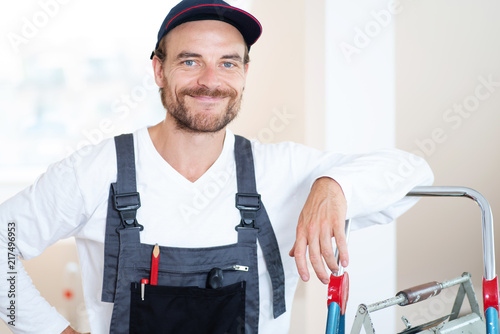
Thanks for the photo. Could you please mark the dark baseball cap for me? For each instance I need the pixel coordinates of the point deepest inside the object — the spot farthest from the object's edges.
(197, 10)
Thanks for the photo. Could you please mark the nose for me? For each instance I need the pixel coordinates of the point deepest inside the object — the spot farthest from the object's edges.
(209, 78)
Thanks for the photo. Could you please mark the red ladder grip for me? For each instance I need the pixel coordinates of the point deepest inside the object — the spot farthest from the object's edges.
(490, 294)
(338, 291)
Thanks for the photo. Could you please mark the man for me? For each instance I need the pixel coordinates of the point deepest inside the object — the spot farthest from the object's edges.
(200, 64)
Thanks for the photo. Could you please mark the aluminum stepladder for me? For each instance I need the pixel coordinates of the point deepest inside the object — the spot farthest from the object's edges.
(338, 288)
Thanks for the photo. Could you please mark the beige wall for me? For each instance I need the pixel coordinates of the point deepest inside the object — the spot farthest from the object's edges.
(272, 58)
(442, 49)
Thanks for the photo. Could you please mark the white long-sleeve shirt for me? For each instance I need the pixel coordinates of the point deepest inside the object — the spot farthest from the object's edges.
(71, 199)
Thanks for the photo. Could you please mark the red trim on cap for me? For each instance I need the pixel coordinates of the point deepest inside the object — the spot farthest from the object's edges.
(214, 5)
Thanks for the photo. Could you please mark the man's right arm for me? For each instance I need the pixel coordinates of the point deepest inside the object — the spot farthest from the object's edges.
(49, 210)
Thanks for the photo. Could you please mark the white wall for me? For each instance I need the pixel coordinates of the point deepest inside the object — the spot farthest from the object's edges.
(360, 91)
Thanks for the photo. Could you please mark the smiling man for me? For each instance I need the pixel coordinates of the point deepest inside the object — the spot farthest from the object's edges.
(202, 80)
(233, 265)
(200, 68)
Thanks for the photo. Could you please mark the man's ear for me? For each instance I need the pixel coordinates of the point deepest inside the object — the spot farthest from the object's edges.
(158, 71)
(246, 70)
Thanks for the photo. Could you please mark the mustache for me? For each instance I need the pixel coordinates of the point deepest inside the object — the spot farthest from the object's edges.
(203, 91)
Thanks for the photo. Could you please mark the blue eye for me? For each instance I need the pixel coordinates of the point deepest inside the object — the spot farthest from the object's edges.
(228, 65)
(189, 62)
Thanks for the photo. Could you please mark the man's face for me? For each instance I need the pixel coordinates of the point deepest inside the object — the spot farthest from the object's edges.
(203, 75)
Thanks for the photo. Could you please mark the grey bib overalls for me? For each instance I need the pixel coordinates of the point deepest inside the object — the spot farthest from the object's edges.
(183, 302)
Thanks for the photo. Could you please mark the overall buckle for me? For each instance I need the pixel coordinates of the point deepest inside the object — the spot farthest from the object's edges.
(248, 204)
(127, 204)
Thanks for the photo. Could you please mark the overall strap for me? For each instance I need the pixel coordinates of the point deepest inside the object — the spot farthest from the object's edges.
(254, 216)
(123, 203)
(126, 199)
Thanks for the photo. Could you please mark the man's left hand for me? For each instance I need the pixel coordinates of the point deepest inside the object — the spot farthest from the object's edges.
(322, 218)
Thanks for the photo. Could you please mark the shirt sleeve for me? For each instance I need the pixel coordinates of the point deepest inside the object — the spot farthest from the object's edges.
(375, 184)
(49, 210)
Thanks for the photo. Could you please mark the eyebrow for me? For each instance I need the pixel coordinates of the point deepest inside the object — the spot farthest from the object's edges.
(184, 55)
(233, 56)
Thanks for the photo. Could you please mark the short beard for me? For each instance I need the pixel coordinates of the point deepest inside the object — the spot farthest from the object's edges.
(176, 107)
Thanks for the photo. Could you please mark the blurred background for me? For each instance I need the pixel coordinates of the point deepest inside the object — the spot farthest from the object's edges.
(354, 76)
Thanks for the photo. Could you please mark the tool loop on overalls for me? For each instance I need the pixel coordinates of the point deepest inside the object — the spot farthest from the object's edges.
(248, 204)
(127, 204)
